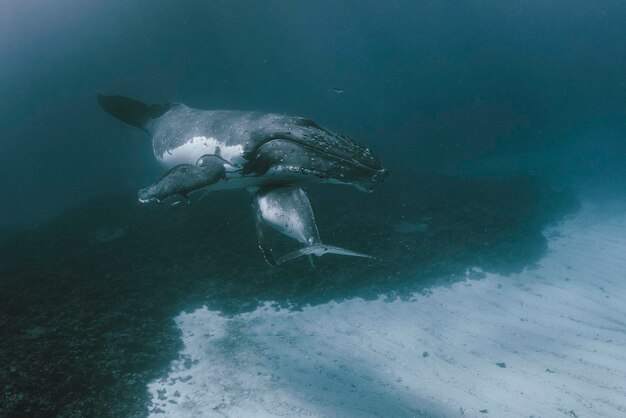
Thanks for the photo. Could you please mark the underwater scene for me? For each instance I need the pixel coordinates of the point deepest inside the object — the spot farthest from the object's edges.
(239, 208)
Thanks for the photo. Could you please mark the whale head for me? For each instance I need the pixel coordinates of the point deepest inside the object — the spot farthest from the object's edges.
(182, 180)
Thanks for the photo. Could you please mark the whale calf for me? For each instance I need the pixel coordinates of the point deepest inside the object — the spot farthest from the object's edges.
(268, 154)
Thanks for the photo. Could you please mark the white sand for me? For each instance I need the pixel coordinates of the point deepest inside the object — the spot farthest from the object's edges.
(560, 329)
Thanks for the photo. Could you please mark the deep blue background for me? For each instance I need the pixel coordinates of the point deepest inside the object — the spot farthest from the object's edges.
(434, 85)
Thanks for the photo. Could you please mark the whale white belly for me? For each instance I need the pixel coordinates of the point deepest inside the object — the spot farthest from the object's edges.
(196, 147)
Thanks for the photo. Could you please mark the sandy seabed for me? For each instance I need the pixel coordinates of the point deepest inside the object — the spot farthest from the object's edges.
(548, 342)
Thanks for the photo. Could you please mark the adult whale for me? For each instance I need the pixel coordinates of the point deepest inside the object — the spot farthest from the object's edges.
(208, 150)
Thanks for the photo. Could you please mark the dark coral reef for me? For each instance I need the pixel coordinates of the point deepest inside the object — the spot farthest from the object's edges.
(88, 299)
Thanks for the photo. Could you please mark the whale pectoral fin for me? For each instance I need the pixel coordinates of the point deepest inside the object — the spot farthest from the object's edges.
(294, 254)
(319, 250)
(262, 240)
(288, 211)
(330, 249)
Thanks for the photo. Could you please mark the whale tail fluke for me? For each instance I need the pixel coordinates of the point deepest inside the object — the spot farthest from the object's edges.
(319, 250)
(132, 112)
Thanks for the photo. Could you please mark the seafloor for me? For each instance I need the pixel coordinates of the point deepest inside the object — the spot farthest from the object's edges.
(549, 341)
(89, 299)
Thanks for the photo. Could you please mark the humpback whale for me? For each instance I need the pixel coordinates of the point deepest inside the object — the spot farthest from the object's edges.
(270, 155)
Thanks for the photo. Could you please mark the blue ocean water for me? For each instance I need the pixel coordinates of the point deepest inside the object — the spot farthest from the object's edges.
(496, 286)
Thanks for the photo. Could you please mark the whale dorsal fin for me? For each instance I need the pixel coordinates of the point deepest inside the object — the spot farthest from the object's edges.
(131, 111)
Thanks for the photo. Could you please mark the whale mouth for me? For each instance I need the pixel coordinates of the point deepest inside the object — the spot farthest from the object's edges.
(145, 196)
(149, 200)
(291, 169)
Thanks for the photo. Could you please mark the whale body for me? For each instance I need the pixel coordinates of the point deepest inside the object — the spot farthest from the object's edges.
(269, 154)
